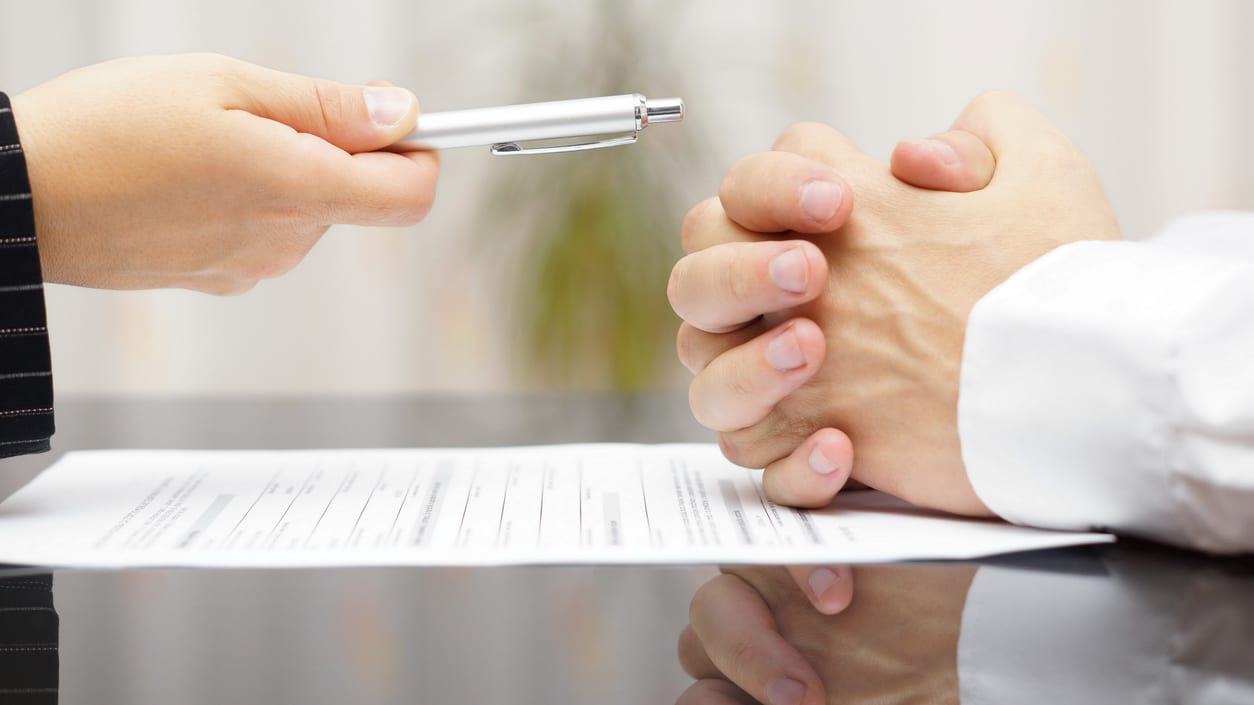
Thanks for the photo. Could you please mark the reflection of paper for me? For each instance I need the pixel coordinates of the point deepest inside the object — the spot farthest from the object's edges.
(541, 504)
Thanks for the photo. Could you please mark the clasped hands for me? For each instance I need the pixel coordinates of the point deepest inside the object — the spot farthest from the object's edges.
(825, 297)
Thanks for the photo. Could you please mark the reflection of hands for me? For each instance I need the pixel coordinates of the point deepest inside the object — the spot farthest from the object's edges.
(754, 637)
(860, 327)
(208, 173)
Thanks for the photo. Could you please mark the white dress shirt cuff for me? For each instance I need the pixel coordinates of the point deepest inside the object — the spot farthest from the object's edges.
(1093, 394)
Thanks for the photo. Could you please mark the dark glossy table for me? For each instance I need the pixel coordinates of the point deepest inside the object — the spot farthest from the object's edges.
(1130, 623)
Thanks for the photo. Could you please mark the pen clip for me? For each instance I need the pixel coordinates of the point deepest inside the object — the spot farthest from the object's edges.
(508, 149)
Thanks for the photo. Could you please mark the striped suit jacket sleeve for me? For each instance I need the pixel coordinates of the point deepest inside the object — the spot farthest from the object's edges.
(26, 422)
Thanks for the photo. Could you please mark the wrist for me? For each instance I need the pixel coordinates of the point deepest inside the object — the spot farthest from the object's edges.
(45, 183)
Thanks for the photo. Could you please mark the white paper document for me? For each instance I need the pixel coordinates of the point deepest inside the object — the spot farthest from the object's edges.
(588, 504)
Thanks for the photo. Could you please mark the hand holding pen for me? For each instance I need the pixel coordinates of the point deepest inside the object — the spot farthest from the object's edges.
(208, 173)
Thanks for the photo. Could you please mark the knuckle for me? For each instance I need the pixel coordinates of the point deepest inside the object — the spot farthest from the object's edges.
(694, 224)
(330, 101)
(264, 268)
(716, 401)
(740, 384)
(735, 284)
(708, 598)
(420, 210)
(734, 175)
(994, 99)
(686, 347)
(999, 105)
(214, 62)
(207, 59)
(697, 404)
(225, 78)
(752, 447)
(276, 261)
(403, 205)
(801, 133)
(982, 101)
(686, 648)
(413, 210)
(706, 601)
(675, 286)
(730, 448)
(422, 191)
(734, 447)
(1064, 157)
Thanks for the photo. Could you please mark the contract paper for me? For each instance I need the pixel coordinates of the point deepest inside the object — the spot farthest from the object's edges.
(569, 504)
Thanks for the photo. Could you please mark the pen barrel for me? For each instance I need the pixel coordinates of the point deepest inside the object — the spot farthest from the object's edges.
(561, 119)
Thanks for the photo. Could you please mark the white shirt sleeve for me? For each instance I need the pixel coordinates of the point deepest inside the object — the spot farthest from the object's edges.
(1111, 385)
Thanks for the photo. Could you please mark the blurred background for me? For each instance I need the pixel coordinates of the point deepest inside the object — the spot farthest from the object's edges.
(549, 272)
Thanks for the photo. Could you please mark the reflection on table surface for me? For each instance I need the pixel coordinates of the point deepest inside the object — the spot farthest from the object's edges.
(1129, 623)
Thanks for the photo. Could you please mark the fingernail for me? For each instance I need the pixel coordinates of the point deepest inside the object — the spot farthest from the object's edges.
(942, 150)
(820, 463)
(386, 105)
(790, 270)
(784, 353)
(784, 691)
(820, 200)
(821, 579)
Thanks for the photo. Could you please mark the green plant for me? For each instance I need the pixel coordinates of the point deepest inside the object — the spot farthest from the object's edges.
(586, 240)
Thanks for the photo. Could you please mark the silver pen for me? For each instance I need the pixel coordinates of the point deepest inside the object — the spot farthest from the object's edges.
(544, 128)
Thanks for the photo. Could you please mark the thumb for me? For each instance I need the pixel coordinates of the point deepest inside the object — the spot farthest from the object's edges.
(954, 161)
(1019, 137)
(353, 118)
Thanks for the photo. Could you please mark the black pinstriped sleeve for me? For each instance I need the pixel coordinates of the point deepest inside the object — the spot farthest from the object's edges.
(25, 364)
